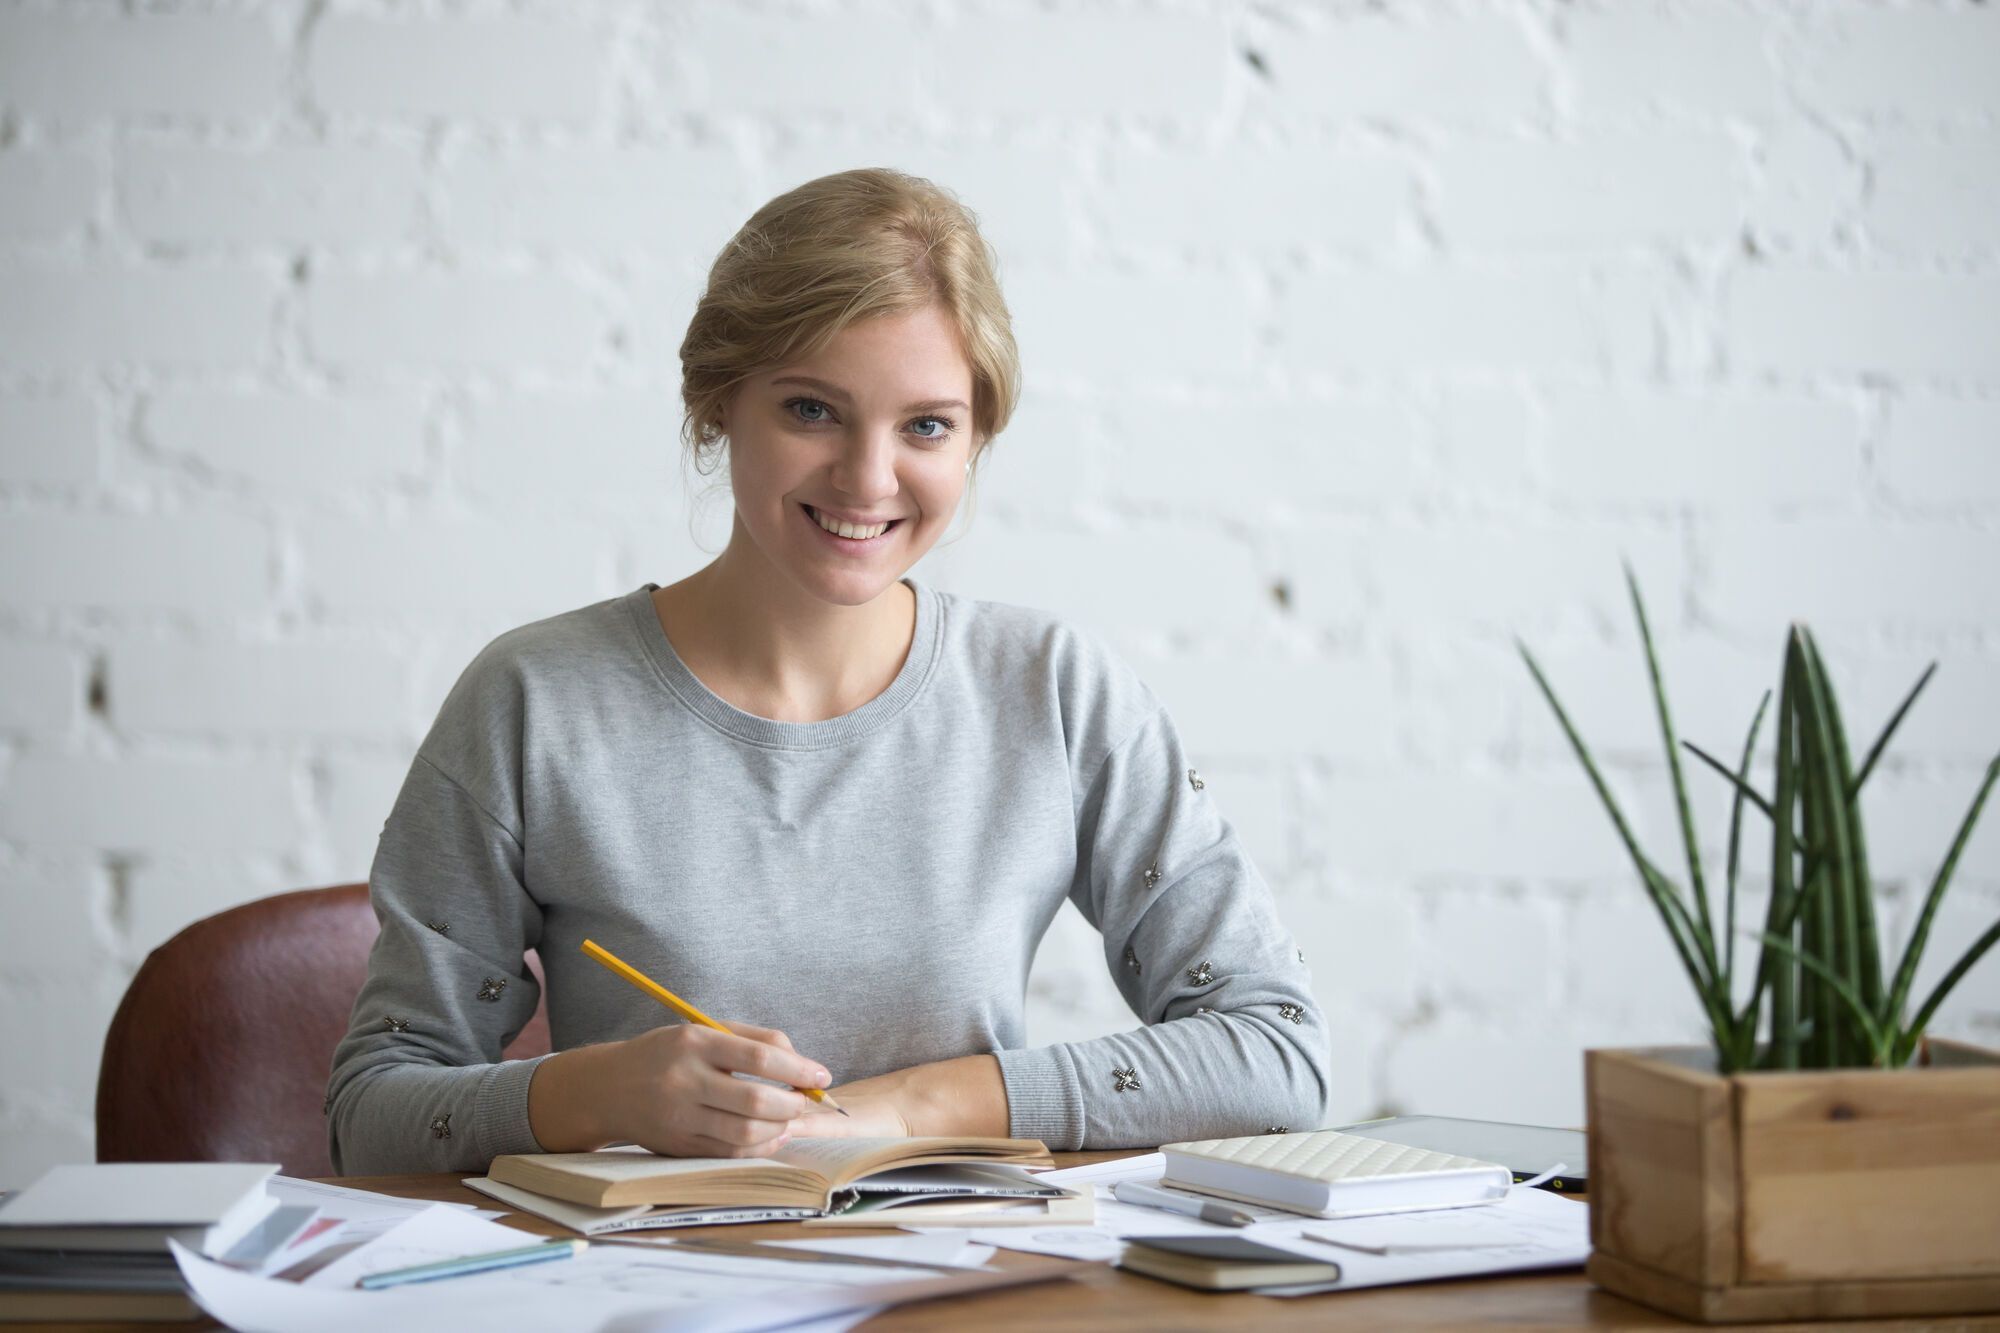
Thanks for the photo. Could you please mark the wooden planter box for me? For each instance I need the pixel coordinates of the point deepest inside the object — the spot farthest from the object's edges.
(1811, 1195)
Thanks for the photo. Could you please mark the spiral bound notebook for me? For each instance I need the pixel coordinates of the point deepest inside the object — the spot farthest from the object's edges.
(1330, 1174)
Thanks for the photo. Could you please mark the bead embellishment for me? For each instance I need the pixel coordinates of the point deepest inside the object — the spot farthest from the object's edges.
(441, 927)
(441, 1126)
(1124, 1080)
(1132, 960)
(1277, 1129)
(1152, 874)
(395, 1024)
(326, 1107)
(1194, 780)
(491, 989)
(1200, 976)
(1292, 1013)
(1302, 955)
(1202, 1009)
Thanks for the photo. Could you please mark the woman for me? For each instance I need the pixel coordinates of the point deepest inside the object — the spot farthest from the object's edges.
(805, 791)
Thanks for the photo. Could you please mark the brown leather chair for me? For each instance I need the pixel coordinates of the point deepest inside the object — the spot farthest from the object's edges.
(221, 1047)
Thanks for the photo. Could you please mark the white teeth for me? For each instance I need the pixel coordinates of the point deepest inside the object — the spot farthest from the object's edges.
(848, 530)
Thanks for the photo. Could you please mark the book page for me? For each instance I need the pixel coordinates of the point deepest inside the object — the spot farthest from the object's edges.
(613, 1167)
(837, 1161)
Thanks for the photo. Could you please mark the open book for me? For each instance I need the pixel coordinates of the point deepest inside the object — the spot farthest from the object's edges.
(805, 1173)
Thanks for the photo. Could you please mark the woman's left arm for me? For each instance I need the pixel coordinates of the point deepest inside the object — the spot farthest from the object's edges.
(1234, 1043)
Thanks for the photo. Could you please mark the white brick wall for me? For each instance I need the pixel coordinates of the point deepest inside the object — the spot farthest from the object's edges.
(336, 339)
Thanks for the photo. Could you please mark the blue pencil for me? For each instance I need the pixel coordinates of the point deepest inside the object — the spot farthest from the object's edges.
(475, 1263)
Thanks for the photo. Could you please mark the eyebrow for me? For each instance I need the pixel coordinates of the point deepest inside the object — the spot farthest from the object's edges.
(835, 391)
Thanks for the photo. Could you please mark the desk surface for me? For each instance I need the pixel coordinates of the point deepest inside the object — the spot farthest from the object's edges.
(1101, 1297)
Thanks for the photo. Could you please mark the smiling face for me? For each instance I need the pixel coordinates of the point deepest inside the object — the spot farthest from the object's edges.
(848, 466)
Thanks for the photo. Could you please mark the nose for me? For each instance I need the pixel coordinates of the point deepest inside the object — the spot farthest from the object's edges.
(866, 466)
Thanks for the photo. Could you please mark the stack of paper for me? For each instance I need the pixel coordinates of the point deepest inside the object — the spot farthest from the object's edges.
(91, 1241)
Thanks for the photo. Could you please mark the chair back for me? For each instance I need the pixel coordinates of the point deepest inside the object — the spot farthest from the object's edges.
(221, 1048)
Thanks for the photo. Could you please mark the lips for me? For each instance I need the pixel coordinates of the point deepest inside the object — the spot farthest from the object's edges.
(847, 530)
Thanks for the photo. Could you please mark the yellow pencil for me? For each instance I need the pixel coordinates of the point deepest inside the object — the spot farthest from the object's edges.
(676, 1003)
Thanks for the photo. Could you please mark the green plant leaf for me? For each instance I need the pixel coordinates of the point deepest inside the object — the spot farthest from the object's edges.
(1878, 1044)
(1742, 785)
(1697, 888)
(1736, 846)
(1832, 923)
(1906, 1042)
(1895, 720)
(1772, 971)
(1665, 900)
(1863, 949)
(1906, 970)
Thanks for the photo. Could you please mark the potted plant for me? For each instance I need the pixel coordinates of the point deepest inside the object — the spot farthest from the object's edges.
(1821, 1158)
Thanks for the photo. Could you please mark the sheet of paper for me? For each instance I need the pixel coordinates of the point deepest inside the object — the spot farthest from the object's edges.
(1533, 1229)
(649, 1287)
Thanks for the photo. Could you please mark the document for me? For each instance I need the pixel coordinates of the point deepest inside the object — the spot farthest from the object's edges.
(630, 1287)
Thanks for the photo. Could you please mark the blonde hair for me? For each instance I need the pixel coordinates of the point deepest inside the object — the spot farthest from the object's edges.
(833, 251)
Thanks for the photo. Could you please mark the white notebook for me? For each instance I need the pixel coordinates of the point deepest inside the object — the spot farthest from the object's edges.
(1326, 1173)
(206, 1206)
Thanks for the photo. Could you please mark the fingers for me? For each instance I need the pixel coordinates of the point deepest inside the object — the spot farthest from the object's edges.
(770, 1036)
(763, 1059)
(752, 1101)
(738, 1136)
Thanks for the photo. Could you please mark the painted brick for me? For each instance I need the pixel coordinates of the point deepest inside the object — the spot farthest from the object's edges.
(1472, 1068)
(1256, 701)
(46, 193)
(360, 793)
(69, 316)
(664, 201)
(1932, 197)
(1605, 189)
(212, 563)
(1023, 64)
(487, 66)
(1712, 60)
(1528, 317)
(1156, 580)
(1398, 67)
(328, 194)
(1263, 456)
(1485, 953)
(321, 687)
(48, 441)
(1809, 187)
(601, 449)
(1849, 573)
(135, 805)
(1801, 321)
(1253, 199)
(167, 895)
(1942, 450)
(1915, 63)
(392, 321)
(41, 687)
(1196, 325)
(79, 66)
(295, 447)
(1361, 944)
(55, 912)
(1657, 448)
(353, 568)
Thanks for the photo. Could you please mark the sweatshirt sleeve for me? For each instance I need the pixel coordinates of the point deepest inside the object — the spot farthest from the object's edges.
(418, 1083)
(1233, 1042)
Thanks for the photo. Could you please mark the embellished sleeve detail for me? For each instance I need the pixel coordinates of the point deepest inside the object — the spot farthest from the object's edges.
(420, 1083)
(1164, 877)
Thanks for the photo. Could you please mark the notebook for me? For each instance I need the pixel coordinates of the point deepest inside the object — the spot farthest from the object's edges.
(138, 1206)
(1326, 1173)
(805, 1173)
(1221, 1263)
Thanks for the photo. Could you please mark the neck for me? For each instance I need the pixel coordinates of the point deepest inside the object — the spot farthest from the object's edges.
(772, 649)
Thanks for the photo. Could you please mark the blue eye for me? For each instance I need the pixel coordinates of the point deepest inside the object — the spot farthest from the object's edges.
(943, 428)
(798, 404)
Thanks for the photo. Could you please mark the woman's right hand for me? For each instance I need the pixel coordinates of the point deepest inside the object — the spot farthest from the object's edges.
(674, 1091)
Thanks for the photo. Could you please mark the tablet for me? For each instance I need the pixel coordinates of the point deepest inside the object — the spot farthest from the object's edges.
(1525, 1150)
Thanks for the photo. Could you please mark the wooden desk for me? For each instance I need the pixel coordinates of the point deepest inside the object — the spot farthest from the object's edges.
(1101, 1297)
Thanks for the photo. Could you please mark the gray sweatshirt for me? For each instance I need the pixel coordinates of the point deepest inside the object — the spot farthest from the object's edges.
(875, 885)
